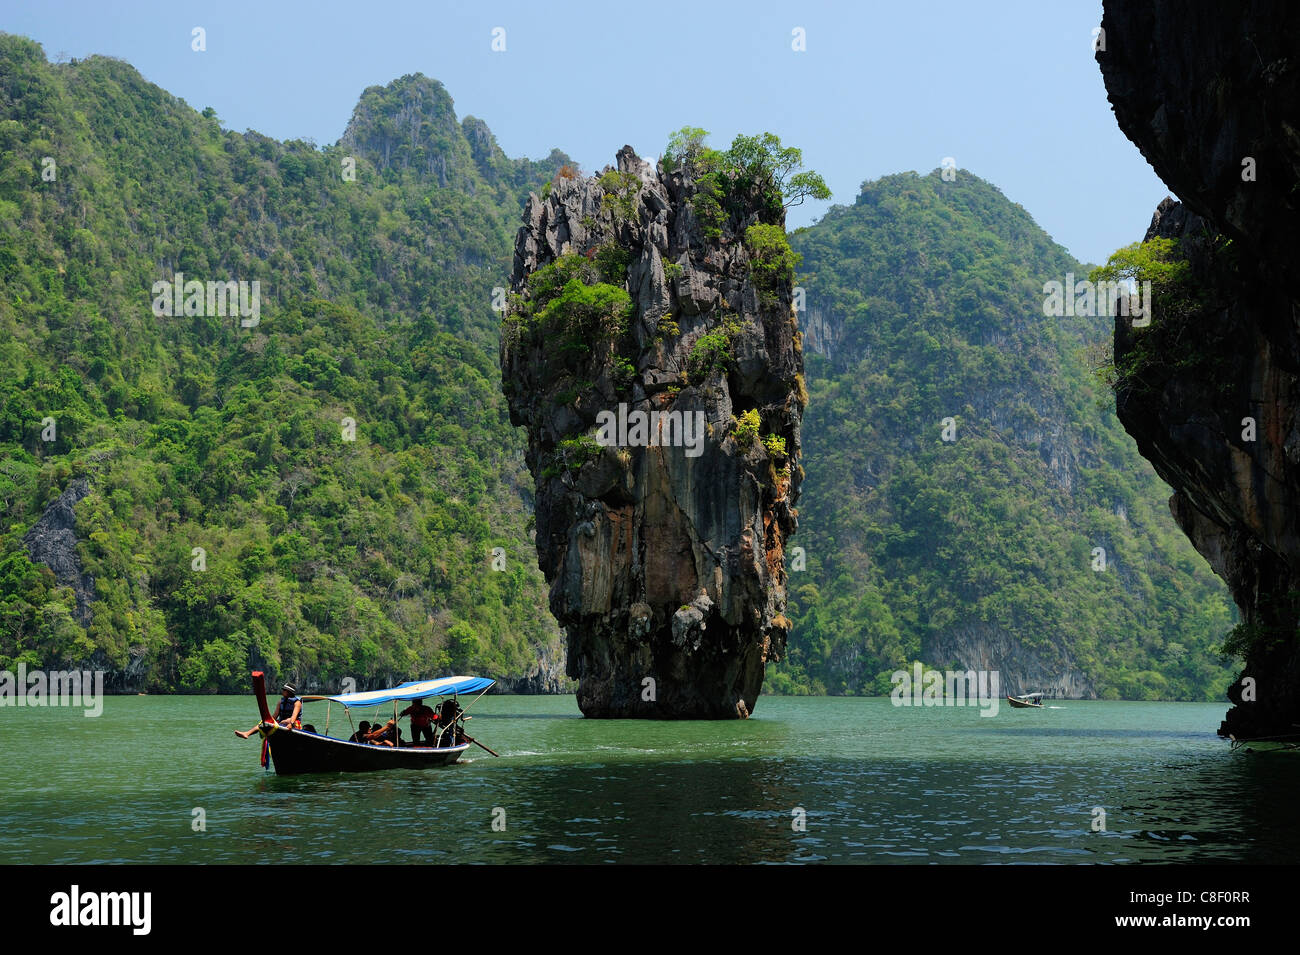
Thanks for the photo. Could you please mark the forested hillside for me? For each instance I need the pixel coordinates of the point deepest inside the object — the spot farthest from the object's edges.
(925, 302)
(323, 557)
(319, 488)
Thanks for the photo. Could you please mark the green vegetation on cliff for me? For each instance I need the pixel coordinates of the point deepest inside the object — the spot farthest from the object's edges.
(345, 464)
(753, 165)
(373, 558)
(932, 292)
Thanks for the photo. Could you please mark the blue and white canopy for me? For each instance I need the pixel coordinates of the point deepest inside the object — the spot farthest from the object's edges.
(445, 686)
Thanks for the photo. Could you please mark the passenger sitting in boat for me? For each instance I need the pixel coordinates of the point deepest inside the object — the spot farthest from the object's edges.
(360, 735)
(422, 720)
(449, 712)
(385, 735)
(288, 712)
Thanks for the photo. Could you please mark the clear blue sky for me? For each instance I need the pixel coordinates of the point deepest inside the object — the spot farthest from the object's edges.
(1008, 89)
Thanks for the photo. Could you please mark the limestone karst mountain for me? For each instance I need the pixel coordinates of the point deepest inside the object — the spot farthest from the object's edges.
(1034, 542)
(664, 548)
(408, 548)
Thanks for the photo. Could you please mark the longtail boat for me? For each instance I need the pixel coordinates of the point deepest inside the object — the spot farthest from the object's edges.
(1027, 701)
(293, 751)
(1267, 744)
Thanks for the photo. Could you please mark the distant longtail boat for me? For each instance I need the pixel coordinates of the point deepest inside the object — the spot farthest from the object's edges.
(1027, 701)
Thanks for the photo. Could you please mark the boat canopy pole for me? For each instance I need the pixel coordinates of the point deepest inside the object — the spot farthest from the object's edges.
(328, 707)
(473, 701)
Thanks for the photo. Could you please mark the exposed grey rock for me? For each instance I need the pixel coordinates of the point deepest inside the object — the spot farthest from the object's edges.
(53, 541)
(662, 565)
(989, 647)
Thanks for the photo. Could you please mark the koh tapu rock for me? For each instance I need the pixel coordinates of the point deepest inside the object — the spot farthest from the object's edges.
(650, 347)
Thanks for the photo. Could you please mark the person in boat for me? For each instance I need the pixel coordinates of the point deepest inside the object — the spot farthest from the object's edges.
(360, 735)
(385, 735)
(422, 720)
(288, 712)
(449, 713)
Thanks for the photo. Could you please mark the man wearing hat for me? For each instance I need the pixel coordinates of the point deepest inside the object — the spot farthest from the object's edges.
(288, 712)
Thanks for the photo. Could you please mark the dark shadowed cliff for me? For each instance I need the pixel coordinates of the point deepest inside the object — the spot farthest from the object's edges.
(1210, 93)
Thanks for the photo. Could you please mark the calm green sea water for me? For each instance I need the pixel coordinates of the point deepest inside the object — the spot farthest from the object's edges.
(878, 783)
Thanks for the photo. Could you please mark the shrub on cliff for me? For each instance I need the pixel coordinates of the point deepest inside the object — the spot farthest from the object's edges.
(620, 193)
(775, 445)
(710, 353)
(572, 306)
(1160, 345)
(724, 179)
(773, 261)
(571, 454)
(762, 162)
(1159, 262)
(746, 429)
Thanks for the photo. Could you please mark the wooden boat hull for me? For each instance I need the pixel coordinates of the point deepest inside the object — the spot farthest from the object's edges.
(294, 752)
(1020, 704)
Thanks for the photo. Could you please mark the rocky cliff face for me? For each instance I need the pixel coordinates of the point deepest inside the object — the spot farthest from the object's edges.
(53, 541)
(1210, 93)
(546, 676)
(989, 647)
(662, 536)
